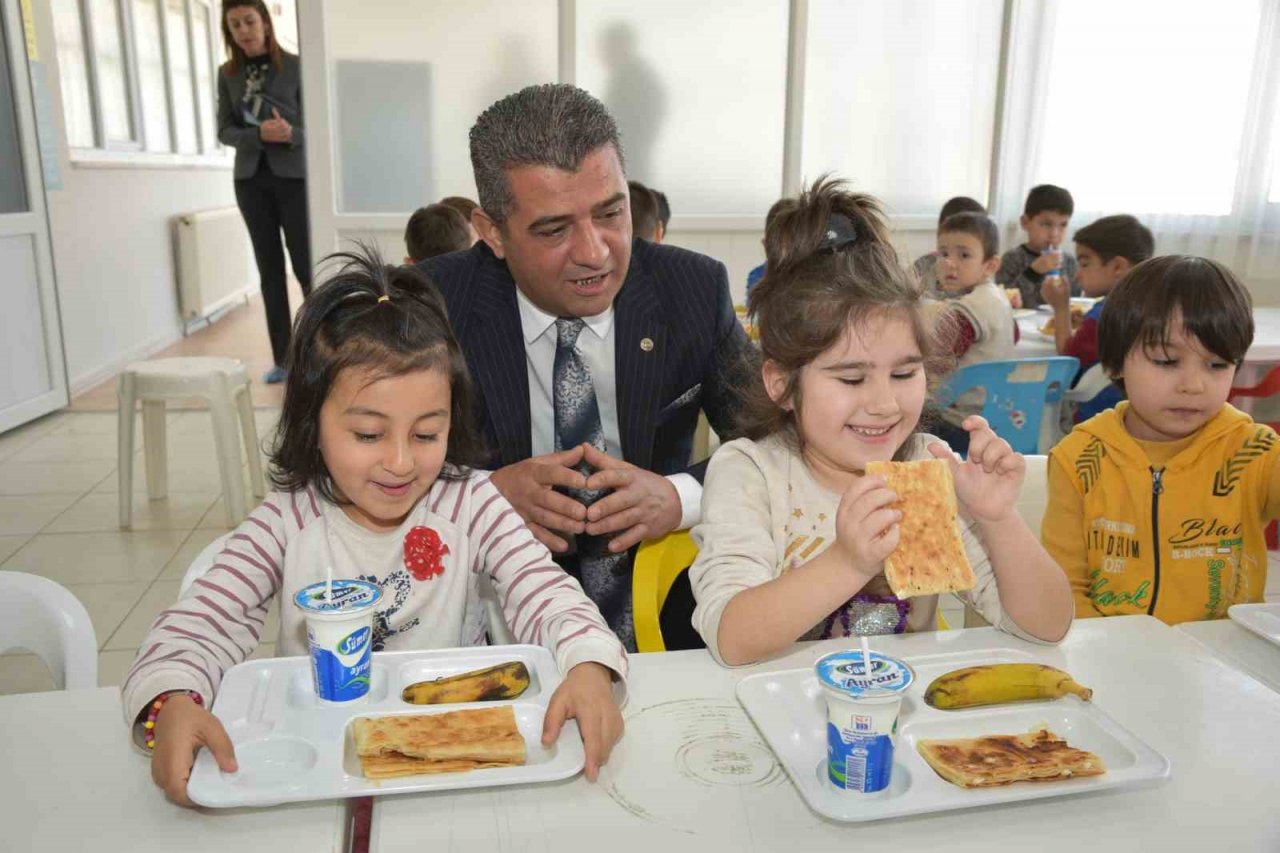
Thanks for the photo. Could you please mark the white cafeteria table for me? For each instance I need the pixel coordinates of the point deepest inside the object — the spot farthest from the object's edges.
(660, 792)
(1239, 647)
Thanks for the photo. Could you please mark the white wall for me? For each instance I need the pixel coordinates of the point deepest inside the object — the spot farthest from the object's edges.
(112, 249)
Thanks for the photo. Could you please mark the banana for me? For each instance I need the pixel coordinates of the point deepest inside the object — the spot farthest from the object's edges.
(504, 681)
(995, 684)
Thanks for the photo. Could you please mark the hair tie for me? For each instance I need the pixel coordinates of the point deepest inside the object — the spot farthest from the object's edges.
(384, 298)
(840, 233)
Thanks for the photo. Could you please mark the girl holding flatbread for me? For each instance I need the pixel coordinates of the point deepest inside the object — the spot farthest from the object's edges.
(800, 538)
(372, 469)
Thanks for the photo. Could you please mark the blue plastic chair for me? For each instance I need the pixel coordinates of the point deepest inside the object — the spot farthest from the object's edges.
(1022, 396)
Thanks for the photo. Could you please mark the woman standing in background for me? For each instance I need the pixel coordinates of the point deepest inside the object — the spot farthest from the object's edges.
(260, 113)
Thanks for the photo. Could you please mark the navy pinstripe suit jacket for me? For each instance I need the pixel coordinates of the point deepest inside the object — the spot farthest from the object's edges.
(675, 298)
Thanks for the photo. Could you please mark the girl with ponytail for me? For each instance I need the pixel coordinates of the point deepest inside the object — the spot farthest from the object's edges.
(794, 535)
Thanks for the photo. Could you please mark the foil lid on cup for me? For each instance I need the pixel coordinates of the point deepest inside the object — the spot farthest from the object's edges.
(348, 596)
(846, 673)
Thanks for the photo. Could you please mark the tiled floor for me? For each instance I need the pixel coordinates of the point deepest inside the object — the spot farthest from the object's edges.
(58, 518)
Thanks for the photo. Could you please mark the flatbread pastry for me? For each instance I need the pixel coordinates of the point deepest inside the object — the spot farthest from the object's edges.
(930, 557)
(982, 762)
(409, 744)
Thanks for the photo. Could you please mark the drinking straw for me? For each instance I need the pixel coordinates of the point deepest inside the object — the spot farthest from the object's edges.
(328, 582)
(866, 654)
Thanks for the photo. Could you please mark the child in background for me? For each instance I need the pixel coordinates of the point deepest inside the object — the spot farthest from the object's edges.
(466, 207)
(980, 316)
(372, 454)
(644, 211)
(793, 534)
(1158, 505)
(925, 265)
(436, 229)
(1105, 251)
(777, 208)
(1044, 218)
(664, 214)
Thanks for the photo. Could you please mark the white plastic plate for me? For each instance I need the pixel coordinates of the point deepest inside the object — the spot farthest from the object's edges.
(290, 748)
(791, 712)
(1261, 619)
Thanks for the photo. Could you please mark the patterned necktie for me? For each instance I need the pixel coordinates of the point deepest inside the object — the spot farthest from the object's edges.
(605, 577)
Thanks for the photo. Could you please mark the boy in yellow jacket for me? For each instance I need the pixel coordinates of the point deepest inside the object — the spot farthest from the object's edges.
(1158, 506)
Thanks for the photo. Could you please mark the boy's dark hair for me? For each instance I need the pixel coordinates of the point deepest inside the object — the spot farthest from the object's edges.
(664, 208)
(553, 124)
(436, 229)
(644, 211)
(830, 266)
(347, 323)
(462, 204)
(1119, 236)
(959, 204)
(978, 225)
(1048, 197)
(1209, 299)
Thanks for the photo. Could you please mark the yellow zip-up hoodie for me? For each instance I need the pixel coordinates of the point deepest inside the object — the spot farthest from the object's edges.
(1182, 540)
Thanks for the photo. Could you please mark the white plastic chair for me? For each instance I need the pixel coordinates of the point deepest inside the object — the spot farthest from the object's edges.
(499, 633)
(44, 617)
(224, 384)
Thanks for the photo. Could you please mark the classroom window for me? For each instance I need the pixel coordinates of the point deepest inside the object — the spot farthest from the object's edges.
(699, 97)
(138, 74)
(1169, 78)
(900, 98)
(151, 75)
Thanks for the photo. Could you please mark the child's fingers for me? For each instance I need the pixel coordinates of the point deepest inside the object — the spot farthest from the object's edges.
(879, 522)
(870, 501)
(215, 738)
(553, 722)
(591, 728)
(974, 423)
(170, 769)
(886, 544)
(941, 451)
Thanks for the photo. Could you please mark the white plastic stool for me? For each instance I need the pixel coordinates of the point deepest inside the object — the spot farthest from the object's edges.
(223, 383)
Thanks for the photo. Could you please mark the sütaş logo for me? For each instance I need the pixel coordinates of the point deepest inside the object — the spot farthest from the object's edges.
(354, 641)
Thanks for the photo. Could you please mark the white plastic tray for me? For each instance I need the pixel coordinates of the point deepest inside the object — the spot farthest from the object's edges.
(790, 711)
(1261, 619)
(290, 748)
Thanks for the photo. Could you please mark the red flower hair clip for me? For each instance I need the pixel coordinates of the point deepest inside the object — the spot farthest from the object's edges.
(424, 552)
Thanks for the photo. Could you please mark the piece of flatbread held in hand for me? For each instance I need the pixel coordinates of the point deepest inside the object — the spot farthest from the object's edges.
(410, 744)
(930, 557)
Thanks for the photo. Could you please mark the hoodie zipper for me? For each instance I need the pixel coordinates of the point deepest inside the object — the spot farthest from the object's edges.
(1157, 488)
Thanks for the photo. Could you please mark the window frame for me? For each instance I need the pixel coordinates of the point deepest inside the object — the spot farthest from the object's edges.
(117, 153)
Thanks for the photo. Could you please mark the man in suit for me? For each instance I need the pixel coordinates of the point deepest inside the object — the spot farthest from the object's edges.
(593, 353)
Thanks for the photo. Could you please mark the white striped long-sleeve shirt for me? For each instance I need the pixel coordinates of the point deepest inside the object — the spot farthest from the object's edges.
(285, 545)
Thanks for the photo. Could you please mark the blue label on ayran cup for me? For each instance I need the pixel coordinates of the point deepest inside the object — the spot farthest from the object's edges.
(859, 762)
(342, 673)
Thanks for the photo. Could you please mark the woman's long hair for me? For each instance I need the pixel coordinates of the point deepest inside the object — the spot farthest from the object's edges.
(235, 55)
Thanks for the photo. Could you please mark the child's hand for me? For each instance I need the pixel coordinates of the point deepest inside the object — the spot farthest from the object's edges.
(586, 694)
(1050, 260)
(182, 727)
(866, 525)
(1056, 292)
(989, 482)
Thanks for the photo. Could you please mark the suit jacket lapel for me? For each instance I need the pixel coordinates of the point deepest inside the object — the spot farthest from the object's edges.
(639, 356)
(498, 358)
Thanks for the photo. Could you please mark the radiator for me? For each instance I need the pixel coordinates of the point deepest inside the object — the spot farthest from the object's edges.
(215, 261)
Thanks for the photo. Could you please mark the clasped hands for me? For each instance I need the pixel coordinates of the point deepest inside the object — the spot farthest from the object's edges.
(275, 129)
(640, 504)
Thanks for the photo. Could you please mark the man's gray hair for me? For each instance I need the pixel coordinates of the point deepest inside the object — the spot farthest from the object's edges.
(554, 124)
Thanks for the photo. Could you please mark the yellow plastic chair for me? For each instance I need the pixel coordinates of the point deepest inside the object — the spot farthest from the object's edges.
(658, 563)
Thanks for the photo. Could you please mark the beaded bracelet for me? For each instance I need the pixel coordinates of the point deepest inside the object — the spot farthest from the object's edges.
(149, 727)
